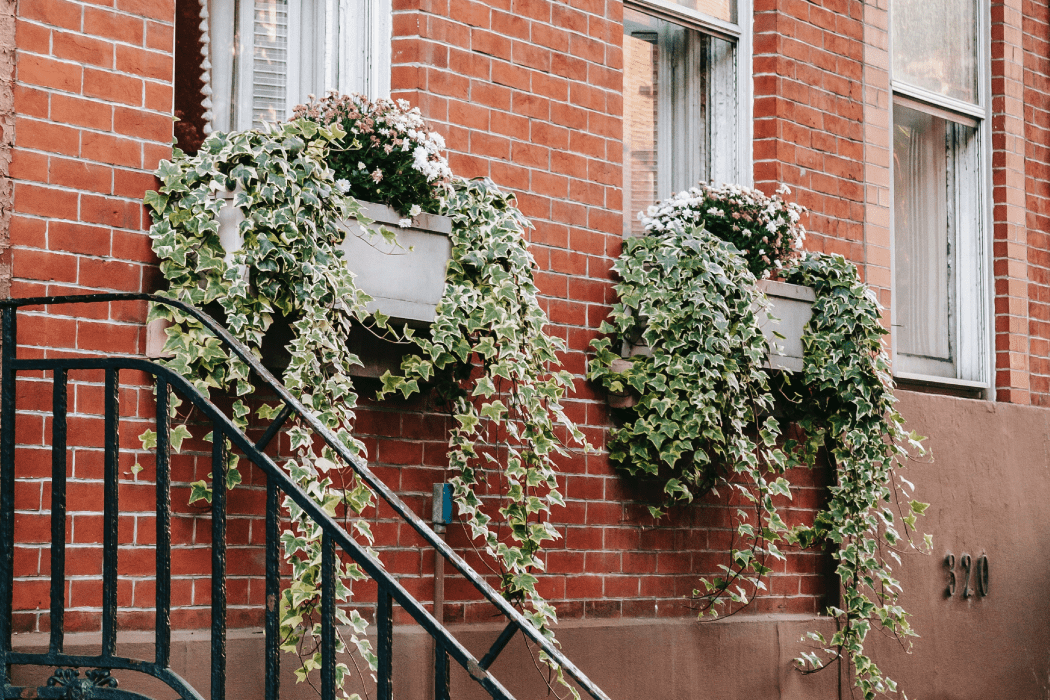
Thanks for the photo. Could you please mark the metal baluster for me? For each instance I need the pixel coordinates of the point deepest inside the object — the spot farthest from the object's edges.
(441, 672)
(58, 510)
(7, 486)
(110, 513)
(384, 644)
(327, 618)
(273, 593)
(497, 647)
(163, 549)
(218, 564)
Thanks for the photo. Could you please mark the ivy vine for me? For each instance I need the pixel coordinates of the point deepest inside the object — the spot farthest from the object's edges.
(486, 356)
(704, 419)
(490, 360)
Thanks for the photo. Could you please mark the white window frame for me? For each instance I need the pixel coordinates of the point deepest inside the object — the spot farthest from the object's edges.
(348, 43)
(738, 140)
(973, 333)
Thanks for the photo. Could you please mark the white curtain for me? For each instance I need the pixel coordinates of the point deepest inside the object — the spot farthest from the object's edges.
(921, 235)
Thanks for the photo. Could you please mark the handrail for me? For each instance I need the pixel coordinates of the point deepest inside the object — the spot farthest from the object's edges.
(333, 532)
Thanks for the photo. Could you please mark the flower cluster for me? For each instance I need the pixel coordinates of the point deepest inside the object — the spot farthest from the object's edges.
(388, 155)
(765, 229)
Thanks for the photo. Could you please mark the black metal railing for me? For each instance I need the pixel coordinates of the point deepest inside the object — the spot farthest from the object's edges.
(98, 682)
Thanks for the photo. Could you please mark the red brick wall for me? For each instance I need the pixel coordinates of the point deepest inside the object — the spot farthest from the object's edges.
(526, 92)
(92, 103)
(1036, 25)
(529, 93)
(809, 116)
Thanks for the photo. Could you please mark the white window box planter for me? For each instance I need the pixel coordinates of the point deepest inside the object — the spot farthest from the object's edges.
(406, 281)
(792, 307)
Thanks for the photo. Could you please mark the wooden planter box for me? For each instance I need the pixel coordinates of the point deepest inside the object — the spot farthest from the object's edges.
(792, 306)
(405, 283)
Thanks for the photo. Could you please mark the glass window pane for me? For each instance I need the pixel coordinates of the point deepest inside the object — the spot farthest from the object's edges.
(270, 68)
(724, 10)
(935, 46)
(677, 84)
(921, 234)
(640, 55)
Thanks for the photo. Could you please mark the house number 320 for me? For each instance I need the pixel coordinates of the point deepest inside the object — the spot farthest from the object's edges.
(977, 569)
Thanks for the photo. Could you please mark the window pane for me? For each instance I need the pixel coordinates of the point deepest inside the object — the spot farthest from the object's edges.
(935, 46)
(270, 68)
(640, 56)
(938, 254)
(921, 234)
(678, 85)
(724, 10)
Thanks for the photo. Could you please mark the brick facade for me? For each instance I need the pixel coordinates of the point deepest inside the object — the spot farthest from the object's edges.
(527, 92)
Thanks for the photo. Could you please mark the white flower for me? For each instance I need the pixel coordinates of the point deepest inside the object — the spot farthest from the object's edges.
(416, 210)
(714, 212)
(405, 222)
(419, 158)
(343, 185)
(360, 165)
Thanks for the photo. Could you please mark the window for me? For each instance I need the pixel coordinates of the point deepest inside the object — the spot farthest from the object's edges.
(266, 56)
(940, 306)
(686, 94)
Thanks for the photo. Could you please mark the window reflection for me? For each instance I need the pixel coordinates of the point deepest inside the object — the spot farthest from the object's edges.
(935, 46)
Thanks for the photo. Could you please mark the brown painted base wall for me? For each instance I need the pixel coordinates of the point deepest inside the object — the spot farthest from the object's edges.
(989, 489)
(740, 657)
(989, 486)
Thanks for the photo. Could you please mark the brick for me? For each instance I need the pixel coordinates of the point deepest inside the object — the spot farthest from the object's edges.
(30, 102)
(49, 73)
(159, 97)
(110, 86)
(26, 165)
(133, 183)
(109, 211)
(32, 38)
(59, 13)
(161, 10)
(148, 64)
(79, 174)
(77, 238)
(45, 201)
(113, 25)
(82, 49)
(160, 37)
(111, 149)
(143, 125)
(40, 265)
(67, 109)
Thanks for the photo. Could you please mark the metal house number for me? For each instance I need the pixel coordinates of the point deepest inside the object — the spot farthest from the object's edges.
(977, 569)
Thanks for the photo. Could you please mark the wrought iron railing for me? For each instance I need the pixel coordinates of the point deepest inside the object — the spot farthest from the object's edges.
(98, 681)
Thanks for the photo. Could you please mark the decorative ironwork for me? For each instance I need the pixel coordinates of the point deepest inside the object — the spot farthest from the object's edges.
(98, 682)
(81, 688)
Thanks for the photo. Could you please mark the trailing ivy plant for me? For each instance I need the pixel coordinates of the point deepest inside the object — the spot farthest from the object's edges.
(490, 360)
(289, 266)
(486, 356)
(704, 420)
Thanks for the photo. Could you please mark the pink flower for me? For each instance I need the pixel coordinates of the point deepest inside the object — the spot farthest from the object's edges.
(377, 175)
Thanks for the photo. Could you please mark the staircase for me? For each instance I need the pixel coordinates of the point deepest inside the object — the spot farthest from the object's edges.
(67, 680)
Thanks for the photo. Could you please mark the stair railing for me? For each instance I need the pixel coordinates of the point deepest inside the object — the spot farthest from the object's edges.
(98, 682)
